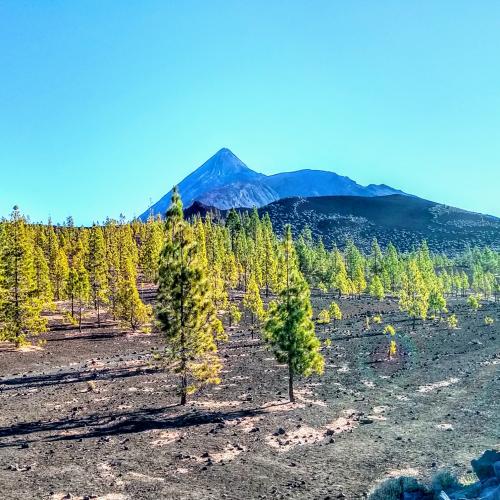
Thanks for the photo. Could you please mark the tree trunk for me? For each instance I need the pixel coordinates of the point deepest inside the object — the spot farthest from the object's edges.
(290, 384)
(98, 316)
(184, 389)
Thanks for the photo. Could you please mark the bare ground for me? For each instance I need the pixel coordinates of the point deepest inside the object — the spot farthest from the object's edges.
(89, 415)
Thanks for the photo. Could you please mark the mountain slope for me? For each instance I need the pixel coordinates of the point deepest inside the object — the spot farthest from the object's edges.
(224, 181)
(222, 169)
(404, 220)
(307, 183)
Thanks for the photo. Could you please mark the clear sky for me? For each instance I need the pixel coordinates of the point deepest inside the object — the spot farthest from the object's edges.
(106, 104)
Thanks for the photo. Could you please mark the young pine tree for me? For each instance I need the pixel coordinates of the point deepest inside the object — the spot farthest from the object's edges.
(129, 307)
(335, 313)
(253, 302)
(377, 288)
(290, 329)
(185, 312)
(234, 314)
(414, 295)
(324, 318)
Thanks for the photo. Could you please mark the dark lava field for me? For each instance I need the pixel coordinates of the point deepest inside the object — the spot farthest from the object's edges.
(90, 415)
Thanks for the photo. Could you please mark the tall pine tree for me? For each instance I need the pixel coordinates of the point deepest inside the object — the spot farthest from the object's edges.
(20, 304)
(290, 329)
(185, 312)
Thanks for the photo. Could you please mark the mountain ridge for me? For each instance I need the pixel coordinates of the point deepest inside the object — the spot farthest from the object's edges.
(403, 220)
(224, 182)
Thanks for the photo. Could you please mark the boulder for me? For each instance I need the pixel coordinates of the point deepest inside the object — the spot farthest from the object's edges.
(483, 466)
(496, 469)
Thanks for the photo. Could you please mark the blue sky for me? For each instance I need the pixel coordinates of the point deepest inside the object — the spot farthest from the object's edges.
(104, 105)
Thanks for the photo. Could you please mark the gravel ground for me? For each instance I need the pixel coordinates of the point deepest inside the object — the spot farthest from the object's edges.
(89, 415)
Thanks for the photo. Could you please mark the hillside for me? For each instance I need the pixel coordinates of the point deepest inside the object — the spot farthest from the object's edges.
(404, 220)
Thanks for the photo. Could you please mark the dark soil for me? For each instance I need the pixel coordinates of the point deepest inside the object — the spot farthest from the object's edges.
(89, 415)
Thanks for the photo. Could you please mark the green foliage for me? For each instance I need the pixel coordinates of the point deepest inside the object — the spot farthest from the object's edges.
(437, 302)
(376, 288)
(335, 312)
(377, 319)
(290, 329)
(414, 294)
(150, 248)
(390, 330)
(252, 301)
(185, 312)
(473, 302)
(488, 320)
(21, 295)
(97, 269)
(129, 307)
(324, 317)
(452, 322)
(60, 274)
(234, 314)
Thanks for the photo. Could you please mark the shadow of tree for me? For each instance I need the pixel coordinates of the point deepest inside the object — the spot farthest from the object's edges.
(87, 336)
(72, 377)
(116, 424)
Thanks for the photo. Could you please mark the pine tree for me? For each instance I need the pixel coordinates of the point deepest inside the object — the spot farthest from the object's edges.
(290, 329)
(185, 311)
(339, 281)
(81, 292)
(60, 274)
(52, 248)
(43, 285)
(335, 313)
(252, 301)
(437, 302)
(270, 260)
(473, 302)
(464, 283)
(414, 295)
(98, 270)
(355, 268)
(376, 259)
(390, 331)
(150, 250)
(129, 307)
(234, 314)
(377, 288)
(20, 307)
(324, 318)
(392, 267)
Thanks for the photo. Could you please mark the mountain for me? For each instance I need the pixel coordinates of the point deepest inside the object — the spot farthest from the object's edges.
(224, 181)
(404, 220)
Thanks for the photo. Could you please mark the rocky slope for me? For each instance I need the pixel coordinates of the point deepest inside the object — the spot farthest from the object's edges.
(404, 220)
